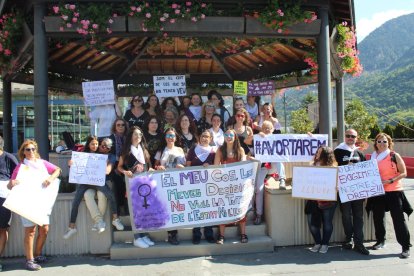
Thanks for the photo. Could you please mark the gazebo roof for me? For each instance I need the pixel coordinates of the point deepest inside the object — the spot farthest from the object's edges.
(243, 48)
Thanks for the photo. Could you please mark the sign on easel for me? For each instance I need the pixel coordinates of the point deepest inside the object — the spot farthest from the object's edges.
(98, 92)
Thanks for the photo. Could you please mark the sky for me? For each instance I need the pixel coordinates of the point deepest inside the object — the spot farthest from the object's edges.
(370, 14)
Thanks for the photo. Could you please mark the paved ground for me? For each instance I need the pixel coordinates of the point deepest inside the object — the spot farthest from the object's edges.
(285, 260)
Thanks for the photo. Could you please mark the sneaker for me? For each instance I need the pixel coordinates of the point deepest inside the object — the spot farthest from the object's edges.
(360, 248)
(210, 240)
(41, 259)
(69, 233)
(118, 225)
(405, 254)
(220, 239)
(101, 225)
(378, 245)
(315, 248)
(347, 245)
(148, 241)
(282, 184)
(172, 239)
(32, 266)
(140, 243)
(324, 249)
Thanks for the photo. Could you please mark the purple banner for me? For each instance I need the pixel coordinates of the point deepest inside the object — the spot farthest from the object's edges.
(260, 88)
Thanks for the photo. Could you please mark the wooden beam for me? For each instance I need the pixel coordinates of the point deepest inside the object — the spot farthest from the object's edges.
(274, 70)
(220, 63)
(75, 71)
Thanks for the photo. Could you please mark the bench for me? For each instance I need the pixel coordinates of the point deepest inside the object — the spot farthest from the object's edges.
(409, 164)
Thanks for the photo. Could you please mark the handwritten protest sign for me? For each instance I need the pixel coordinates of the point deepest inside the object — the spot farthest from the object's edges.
(359, 180)
(240, 88)
(287, 147)
(317, 183)
(191, 197)
(98, 92)
(29, 198)
(88, 168)
(170, 86)
(260, 88)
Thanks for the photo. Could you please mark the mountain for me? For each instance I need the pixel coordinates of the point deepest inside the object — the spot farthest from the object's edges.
(387, 84)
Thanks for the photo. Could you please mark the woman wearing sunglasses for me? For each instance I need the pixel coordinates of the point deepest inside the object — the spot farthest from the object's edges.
(170, 156)
(136, 115)
(29, 156)
(231, 152)
(207, 113)
(392, 170)
(243, 131)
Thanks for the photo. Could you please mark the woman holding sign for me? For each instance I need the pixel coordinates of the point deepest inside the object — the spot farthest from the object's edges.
(231, 152)
(202, 155)
(170, 156)
(321, 212)
(392, 170)
(30, 159)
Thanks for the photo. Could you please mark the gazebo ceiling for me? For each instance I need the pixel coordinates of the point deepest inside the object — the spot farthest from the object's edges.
(135, 57)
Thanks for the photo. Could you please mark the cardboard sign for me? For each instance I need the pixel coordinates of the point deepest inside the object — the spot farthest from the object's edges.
(240, 88)
(260, 88)
(192, 197)
(98, 92)
(88, 168)
(287, 147)
(170, 86)
(359, 180)
(318, 183)
(29, 198)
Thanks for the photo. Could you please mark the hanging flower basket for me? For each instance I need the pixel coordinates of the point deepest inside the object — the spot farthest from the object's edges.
(53, 24)
(254, 26)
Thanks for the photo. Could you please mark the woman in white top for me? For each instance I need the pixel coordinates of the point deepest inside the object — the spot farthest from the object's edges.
(267, 115)
(216, 132)
(196, 106)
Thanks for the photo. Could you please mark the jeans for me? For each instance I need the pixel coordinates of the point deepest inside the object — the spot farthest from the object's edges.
(393, 201)
(97, 211)
(327, 225)
(353, 220)
(80, 191)
(259, 189)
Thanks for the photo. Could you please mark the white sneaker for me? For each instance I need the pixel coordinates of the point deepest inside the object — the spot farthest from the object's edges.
(69, 233)
(148, 241)
(118, 225)
(140, 243)
(101, 225)
(324, 249)
(315, 248)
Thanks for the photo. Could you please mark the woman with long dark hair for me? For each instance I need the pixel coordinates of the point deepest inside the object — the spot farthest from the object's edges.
(187, 130)
(136, 115)
(153, 134)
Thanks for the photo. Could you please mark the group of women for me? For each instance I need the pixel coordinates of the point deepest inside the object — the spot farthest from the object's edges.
(392, 170)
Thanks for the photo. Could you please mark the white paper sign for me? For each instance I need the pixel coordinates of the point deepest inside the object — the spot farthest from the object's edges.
(88, 168)
(29, 198)
(170, 86)
(98, 92)
(4, 192)
(359, 180)
(191, 197)
(317, 183)
(287, 147)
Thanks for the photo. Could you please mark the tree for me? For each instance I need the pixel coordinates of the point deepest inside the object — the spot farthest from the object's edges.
(300, 121)
(358, 118)
(307, 100)
(401, 130)
(374, 131)
(389, 129)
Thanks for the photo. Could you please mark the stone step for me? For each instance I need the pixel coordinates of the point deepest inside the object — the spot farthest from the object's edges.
(127, 235)
(256, 244)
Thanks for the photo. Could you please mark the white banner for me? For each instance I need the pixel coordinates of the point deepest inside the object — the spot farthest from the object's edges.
(191, 197)
(29, 198)
(359, 180)
(88, 168)
(287, 147)
(98, 92)
(170, 86)
(317, 183)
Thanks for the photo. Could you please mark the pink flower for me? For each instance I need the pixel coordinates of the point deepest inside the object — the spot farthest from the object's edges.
(110, 21)
(7, 52)
(174, 6)
(148, 15)
(58, 45)
(68, 25)
(55, 9)
(144, 29)
(280, 13)
(64, 17)
(162, 19)
(165, 35)
(203, 5)
(177, 11)
(61, 29)
(279, 31)
(131, 14)
(188, 4)
(76, 14)
(75, 19)
(172, 20)
(72, 7)
(193, 19)
(108, 30)
(139, 9)
(166, 15)
(115, 15)
(92, 42)
(95, 26)
(133, 8)
(203, 16)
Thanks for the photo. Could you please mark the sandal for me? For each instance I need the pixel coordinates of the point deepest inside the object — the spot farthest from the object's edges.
(244, 238)
(220, 239)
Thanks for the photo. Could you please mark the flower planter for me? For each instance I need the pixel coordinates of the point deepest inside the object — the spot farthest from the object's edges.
(211, 24)
(255, 27)
(53, 24)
